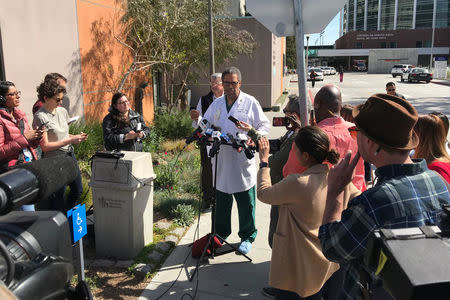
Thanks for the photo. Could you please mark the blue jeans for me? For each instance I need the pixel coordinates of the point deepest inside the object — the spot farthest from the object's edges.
(58, 201)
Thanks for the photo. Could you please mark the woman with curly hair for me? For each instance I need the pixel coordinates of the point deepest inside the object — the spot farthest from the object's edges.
(432, 135)
(56, 140)
(123, 128)
(298, 269)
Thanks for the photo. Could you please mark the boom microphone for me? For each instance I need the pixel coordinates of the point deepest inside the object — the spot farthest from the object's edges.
(31, 182)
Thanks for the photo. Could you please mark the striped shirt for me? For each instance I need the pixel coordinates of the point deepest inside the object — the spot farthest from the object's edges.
(406, 195)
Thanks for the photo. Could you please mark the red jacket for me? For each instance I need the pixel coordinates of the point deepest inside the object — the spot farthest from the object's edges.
(11, 140)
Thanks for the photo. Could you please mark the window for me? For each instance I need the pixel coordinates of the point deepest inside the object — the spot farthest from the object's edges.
(427, 44)
(359, 45)
(424, 14)
(419, 44)
(393, 45)
(372, 14)
(405, 14)
(443, 13)
(387, 14)
(383, 45)
(359, 14)
(351, 13)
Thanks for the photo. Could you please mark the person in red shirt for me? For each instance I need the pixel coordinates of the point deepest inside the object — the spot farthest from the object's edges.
(327, 111)
(432, 136)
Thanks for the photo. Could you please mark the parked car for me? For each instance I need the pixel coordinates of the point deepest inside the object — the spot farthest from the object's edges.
(319, 76)
(332, 71)
(417, 74)
(398, 70)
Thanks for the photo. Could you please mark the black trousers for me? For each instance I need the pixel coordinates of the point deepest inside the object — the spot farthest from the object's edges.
(206, 177)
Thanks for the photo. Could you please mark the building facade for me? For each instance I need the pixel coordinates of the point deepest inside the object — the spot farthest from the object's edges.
(387, 32)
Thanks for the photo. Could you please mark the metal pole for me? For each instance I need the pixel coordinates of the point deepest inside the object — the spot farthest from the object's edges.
(307, 52)
(432, 34)
(300, 47)
(212, 69)
(80, 268)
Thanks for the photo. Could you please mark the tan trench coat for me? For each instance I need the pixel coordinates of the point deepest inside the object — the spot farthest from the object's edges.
(298, 264)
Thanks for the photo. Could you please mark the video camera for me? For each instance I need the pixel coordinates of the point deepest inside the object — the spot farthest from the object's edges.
(36, 247)
(413, 263)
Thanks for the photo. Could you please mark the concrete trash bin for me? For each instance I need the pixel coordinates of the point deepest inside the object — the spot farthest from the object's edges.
(122, 193)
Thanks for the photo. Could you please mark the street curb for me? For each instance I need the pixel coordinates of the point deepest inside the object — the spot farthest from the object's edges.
(441, 83)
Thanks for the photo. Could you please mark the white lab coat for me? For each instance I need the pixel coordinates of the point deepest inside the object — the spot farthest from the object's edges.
(235, 172)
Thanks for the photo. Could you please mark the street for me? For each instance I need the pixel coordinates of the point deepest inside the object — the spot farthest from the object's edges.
(357, 87)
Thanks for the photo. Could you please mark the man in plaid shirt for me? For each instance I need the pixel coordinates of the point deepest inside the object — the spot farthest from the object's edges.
(407, 193)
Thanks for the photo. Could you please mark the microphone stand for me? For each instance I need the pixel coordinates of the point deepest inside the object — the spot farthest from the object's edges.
(209, 245)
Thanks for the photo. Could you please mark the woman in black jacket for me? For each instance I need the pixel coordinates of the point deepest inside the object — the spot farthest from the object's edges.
(123, 128)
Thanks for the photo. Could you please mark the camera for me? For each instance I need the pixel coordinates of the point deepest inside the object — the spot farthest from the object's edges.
(36, 247)
(412, 263)
(280, 121)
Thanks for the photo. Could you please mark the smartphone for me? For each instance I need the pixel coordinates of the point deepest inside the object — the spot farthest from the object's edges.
(234, 120)
(274, 145)
(280, 121)
(312, 120)
(42, 126)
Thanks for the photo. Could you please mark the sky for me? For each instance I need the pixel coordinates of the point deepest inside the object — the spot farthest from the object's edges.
(330, 35)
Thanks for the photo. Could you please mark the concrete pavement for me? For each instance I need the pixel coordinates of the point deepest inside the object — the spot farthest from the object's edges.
(229, 276)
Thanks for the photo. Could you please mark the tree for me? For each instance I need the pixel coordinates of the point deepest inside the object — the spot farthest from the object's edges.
(172, 36)
(291, 54)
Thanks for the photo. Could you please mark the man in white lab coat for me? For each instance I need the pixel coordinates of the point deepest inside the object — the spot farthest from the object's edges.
(236, 174)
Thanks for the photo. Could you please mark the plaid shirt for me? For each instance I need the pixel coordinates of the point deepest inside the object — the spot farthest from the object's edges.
(406, 195)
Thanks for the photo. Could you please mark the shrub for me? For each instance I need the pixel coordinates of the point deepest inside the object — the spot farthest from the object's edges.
(164, 202)
(166, 177)
(153, 142)
(172, 124)
(94, 142)
(183, 214)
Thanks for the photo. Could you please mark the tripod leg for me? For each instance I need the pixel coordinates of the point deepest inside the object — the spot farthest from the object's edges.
(232, 247)
(208, 245)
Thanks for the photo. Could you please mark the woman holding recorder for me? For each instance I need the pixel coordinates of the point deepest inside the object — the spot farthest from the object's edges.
(298, 269)
(56, 140)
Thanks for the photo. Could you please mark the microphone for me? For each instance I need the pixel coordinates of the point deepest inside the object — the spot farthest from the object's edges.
(197, 134)
(35, 181)
(138, 129)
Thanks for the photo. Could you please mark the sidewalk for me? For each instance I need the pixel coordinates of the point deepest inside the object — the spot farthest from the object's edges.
(229, 276)
(441, 81)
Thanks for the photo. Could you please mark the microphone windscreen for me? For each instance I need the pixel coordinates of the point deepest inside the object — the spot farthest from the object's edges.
(52, 173)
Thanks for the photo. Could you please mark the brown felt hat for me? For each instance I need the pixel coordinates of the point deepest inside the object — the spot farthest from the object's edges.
(388, 120)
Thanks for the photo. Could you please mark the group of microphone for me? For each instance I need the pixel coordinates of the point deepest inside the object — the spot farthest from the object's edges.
(208, 134)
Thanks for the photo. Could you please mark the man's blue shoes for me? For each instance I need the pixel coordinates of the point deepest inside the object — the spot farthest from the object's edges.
(245, 247)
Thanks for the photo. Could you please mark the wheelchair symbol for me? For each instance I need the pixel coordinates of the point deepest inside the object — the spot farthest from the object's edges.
(79, 220)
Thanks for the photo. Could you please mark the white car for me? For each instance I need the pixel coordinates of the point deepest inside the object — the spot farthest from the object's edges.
(319, 76)
(332, 71)
(400, 69)
(326, 70)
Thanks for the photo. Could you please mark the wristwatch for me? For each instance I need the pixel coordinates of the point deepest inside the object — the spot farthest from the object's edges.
(263, 165)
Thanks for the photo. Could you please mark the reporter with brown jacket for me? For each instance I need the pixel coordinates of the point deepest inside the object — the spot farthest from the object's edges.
(298, 268)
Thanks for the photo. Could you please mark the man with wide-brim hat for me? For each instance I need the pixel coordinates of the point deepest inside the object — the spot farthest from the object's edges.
(385, 136)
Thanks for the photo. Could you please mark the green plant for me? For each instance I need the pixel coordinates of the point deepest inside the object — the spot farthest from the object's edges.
(183, 214)
(165, 201)
(153, 142)
(94, 142)
(166, 177)
(172, 124)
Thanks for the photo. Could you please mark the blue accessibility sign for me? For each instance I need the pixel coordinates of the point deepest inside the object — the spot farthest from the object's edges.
(77, 218)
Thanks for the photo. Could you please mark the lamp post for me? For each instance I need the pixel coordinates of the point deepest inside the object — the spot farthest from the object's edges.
(432, 33)
(307, 52)
(212, 69)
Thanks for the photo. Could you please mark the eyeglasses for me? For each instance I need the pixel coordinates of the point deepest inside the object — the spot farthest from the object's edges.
(122, 102)
(18, 93)
(391, 90)
(216, 83)
(233, 83)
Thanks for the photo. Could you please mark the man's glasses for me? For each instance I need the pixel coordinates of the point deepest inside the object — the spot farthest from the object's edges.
(391, 90)
(18, 93)
(216, 83)
(233, 83)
